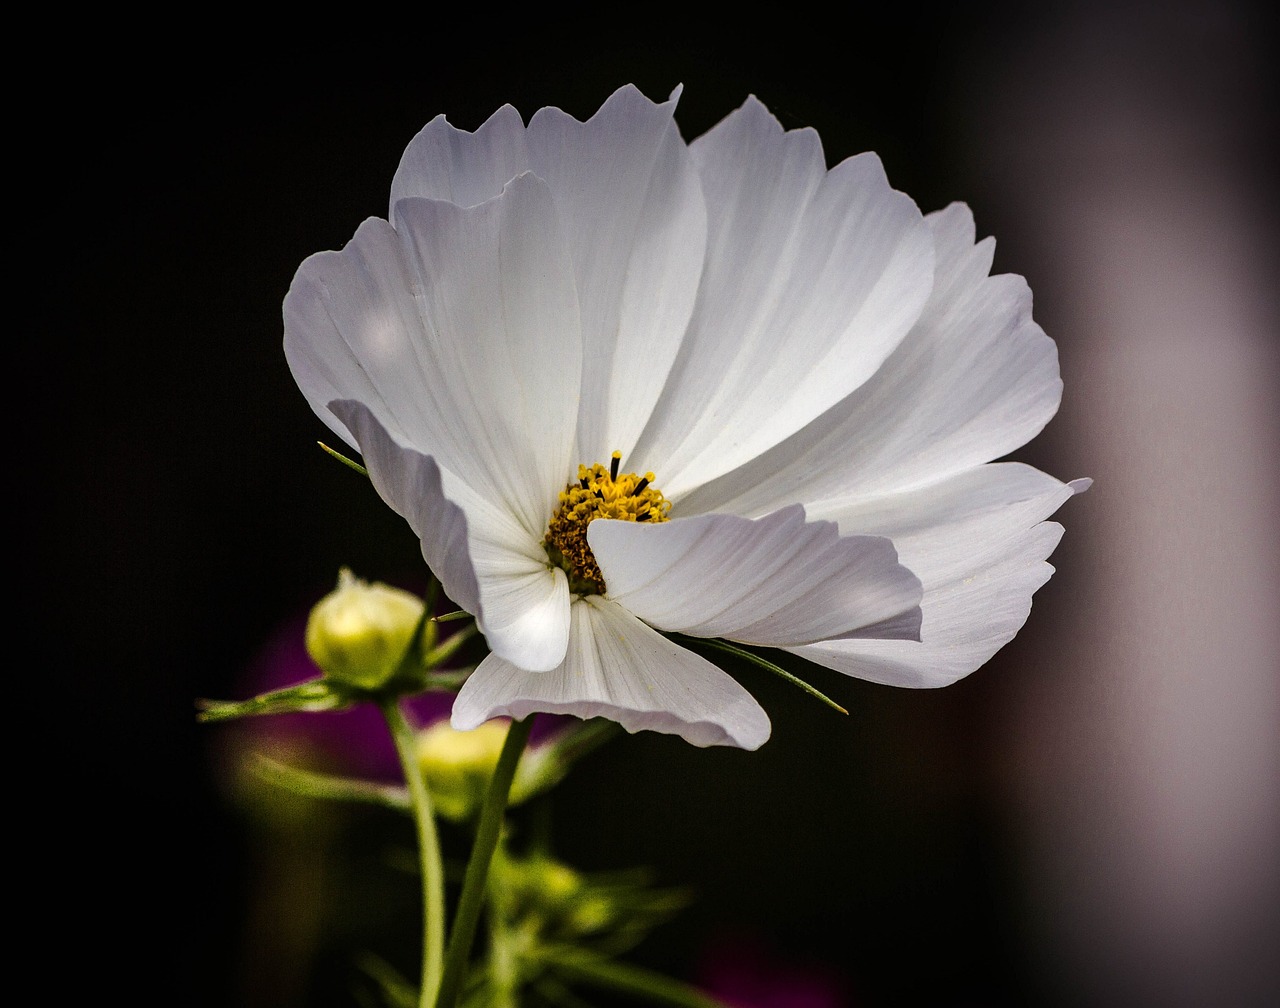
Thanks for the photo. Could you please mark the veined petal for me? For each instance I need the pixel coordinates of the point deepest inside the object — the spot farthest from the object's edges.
(352, 331)
(631, 209)
(485, 561)
(445, 163)
(459, 330)
(975, 379)
(526, 612)
(965, 622)
(618, 668)
(979, 544)
(948, 528)
(498, 298)
(410, 484)
(812, 278)
(777, 580)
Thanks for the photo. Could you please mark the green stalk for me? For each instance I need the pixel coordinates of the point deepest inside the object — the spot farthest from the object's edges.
(430, 862)
(504, 972)
(474, 883)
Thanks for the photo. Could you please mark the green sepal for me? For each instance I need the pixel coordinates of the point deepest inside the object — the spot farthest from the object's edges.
(343, 459)
(313, 695)
(412, 674)
(420, 669)
(436, 655)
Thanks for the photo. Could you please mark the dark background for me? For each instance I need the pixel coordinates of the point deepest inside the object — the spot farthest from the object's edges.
(915, 850)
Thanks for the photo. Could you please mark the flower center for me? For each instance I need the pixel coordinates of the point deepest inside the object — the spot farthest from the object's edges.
(599, 493)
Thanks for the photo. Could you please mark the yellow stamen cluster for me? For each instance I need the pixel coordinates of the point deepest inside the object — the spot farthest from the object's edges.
(599, 493)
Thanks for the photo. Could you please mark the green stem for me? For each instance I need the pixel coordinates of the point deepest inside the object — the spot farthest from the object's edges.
(473, 885)
(429, 860)
(504, 972)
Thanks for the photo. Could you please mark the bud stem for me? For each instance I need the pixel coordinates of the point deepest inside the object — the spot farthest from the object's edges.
(474, 884)
(429, 859)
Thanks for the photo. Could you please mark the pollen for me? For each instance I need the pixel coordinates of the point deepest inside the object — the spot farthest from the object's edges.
(599, 493)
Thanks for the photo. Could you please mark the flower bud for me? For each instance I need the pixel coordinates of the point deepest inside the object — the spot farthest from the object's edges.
(538, 886)
(457, 765)
(359, 632)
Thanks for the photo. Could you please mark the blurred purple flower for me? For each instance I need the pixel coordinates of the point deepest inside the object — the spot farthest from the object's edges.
(744, 971)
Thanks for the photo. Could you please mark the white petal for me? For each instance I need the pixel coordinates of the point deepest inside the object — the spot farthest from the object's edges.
(444, 163)
(526, 611)
(410, 484)
(975, 379)
(947, 529)
(497, 292)
(459, 330)
(773, 581)
(631, 209)
(965, 622)
(632, 213)
(812, 278)
(484, 560)
(352, 331)
(979, 544)
(621, 669)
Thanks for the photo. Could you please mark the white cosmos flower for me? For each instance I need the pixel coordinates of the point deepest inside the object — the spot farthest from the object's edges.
(814, 376)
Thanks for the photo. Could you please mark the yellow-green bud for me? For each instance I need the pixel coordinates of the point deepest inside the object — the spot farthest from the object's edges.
(591, 913)
(457, 765)
(555, 884)
(359, 632)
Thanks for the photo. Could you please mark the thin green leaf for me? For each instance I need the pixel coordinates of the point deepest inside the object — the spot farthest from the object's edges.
(396, 991)
(313, 695)
(764, 663)
(328, 786)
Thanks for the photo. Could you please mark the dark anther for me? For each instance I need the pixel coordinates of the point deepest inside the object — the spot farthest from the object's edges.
(640, 487)
(585, 482)
(643, 516)
(613, 467)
